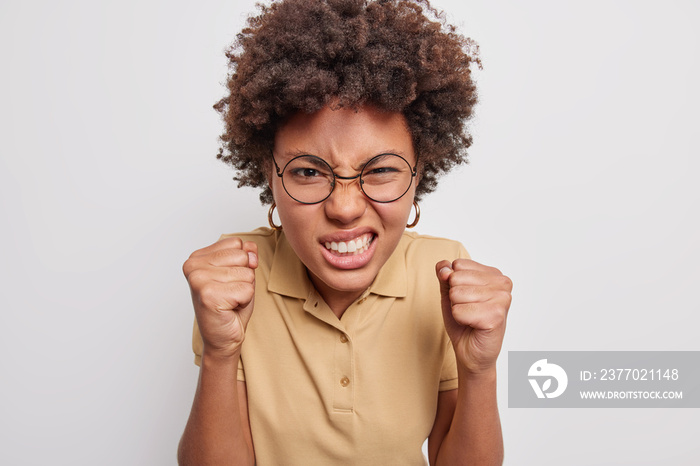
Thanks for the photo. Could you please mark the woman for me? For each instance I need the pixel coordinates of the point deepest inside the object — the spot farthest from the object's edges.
(335, 336)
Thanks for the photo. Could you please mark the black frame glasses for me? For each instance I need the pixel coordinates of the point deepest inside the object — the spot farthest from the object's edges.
(320, 162)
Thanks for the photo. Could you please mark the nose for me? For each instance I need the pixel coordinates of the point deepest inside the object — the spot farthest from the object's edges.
(347, 203)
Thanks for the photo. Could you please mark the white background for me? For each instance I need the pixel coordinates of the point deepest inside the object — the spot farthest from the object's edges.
(581, 187)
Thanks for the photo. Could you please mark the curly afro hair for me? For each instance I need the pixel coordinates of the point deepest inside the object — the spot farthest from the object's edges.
(302, 55)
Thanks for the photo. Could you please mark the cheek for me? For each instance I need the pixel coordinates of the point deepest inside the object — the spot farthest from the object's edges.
(298, 220)
(396, 214)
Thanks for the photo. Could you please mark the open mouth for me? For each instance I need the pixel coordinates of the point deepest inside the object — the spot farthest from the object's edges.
(351, 247)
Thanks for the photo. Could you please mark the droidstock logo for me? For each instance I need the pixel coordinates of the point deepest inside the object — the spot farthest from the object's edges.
(545, 372)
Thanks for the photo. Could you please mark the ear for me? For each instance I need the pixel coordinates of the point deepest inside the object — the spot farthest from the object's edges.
(269, 171)
(419, 173)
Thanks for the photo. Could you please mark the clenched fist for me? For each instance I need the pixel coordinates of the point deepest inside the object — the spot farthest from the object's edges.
(222, 284)
(475, 303)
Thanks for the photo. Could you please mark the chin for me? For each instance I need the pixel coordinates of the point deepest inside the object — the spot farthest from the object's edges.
(347, 281)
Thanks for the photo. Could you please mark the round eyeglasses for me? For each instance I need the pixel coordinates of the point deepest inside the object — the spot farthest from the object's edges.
(309, 179)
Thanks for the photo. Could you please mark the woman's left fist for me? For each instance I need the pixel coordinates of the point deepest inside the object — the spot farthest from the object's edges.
(475, 303)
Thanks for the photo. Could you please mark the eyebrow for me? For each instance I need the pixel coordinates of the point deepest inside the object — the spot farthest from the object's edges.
(289, 155)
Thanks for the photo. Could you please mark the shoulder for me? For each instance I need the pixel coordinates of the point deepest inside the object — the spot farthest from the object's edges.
(262, 234)
(265, 238)
(425, 247)
(421, 253)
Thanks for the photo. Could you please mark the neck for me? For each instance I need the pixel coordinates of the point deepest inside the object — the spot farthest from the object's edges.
(338, 301)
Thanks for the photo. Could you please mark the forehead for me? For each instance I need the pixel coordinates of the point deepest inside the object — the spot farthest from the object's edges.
(345, 136)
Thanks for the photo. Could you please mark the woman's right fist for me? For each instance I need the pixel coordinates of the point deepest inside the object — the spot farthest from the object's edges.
(222, 284)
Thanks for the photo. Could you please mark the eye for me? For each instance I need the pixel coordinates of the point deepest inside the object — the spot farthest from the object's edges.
(381, 170)
(305, 172)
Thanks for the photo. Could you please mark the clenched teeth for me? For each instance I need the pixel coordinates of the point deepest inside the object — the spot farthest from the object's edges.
(352, 247)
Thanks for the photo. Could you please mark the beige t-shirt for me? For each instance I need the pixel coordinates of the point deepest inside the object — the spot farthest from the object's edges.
(359, 390)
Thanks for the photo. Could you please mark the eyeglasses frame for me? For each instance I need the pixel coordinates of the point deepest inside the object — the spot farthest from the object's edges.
(345, 178)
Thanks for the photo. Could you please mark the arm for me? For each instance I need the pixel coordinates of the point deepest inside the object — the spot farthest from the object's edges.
(222, 282)
(218, 431)
(475, 303)
(467, 428)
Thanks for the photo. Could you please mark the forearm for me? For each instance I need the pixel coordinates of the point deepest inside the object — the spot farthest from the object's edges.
(217, 432)
(474, 437)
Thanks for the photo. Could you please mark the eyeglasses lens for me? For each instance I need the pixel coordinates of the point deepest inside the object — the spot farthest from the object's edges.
(309, 179)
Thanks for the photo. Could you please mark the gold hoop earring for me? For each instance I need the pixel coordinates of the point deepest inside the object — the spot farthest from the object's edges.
(415, 220)
(269, 218)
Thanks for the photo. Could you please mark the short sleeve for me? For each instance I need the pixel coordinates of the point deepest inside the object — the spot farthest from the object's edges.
(448, 373)
(197, 344)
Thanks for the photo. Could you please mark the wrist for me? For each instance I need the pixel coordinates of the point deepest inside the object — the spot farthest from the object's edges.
(214, 358)
(481, 375)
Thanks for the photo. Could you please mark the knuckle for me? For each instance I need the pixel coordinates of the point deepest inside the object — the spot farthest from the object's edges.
(497, 322)
(230, 274)
(247, 291)
(507, 299)
(208, 295)
(501, 295)
(496, 271)
(506, 282)
(452, 280)
(249, 275)
(197, 278)
(240, 274)
(220, 254)
(229, 256)
(498, 313)
(457, 277)
(460, 264)
(187, 267)
(460, 308)
(460, 312)
(191, 264)
(243, 293)
(455, 294)
(233, 242)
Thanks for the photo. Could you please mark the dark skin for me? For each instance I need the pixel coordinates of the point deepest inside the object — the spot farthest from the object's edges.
(474, 300)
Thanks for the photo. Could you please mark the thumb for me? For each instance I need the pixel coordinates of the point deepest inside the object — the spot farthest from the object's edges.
(443, 270)
(252, 249)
